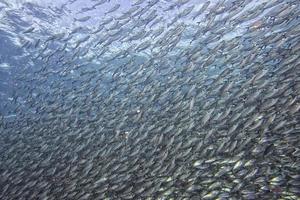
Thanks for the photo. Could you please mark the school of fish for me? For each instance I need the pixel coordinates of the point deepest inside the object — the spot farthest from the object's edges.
(157, 99)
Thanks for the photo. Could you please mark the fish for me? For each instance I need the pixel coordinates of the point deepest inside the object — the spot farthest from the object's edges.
(82, 40)
(201, 10)
(180, 3)
(138, 2)
(113, 9)
(29, 30)
(82, 19)
(86, 9)
(186, 11)
(99, 3)
(152, 100)
(152, 3)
